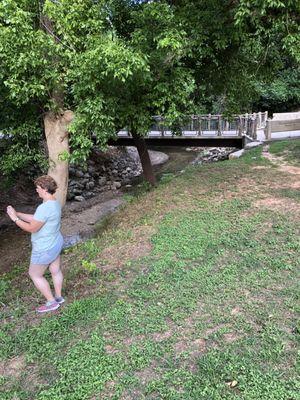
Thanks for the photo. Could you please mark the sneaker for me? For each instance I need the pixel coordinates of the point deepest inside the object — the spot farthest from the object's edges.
(59, 300)
(49, 306)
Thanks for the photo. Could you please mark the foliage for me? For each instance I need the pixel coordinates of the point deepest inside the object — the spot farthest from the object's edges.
(282, 93)
(277, 22)
(117, 63)
(108, 81)
(274, 24)
(234, 45)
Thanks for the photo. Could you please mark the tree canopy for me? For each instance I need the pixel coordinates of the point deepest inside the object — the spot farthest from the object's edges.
(117, 63)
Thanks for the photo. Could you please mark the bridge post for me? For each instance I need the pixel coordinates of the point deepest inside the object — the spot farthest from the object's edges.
(227, 125)
(200, 125)
(259, 119)
(266, 116)
(240, 127)
(268, 129)
(254, 127)
(247, 123)
(219, 125)
(162, 127)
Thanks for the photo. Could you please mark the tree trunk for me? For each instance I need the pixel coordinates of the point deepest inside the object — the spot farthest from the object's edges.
(145, 158)
(56, 131)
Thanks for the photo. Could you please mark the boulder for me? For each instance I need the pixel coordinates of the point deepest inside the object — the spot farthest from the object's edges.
(79, 198)
(253, 144)
(102, 181)
(156, 157)
(79, 173)
(236, 154)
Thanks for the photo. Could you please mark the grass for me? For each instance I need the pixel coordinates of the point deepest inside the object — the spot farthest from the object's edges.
(209, 311)
(288, 149)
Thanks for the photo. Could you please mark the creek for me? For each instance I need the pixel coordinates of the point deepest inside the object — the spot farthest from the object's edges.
(82, 221)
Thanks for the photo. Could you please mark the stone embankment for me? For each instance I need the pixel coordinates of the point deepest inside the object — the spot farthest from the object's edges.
(107, 171)
(103, 172)
(118, 168)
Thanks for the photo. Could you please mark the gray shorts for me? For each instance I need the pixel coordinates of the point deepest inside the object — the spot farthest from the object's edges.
(48, 256)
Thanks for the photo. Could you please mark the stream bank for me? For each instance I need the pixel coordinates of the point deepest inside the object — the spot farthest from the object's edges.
(80, 217)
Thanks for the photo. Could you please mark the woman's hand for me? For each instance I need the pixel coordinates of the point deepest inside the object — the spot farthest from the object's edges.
(11, 212)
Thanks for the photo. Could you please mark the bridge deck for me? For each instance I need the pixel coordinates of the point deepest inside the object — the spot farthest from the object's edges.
(190, 138)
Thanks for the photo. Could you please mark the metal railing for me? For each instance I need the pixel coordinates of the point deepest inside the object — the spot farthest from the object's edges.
(211, 125)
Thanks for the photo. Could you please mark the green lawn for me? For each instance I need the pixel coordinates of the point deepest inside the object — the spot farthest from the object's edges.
(191, 291)
(288, 149)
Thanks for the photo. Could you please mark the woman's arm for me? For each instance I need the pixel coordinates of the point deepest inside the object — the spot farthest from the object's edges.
(25, 217)
(31, 226)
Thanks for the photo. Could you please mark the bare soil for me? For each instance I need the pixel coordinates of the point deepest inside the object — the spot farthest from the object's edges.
(78, 219)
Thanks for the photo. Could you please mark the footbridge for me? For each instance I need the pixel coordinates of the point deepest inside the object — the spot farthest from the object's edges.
(201, 131)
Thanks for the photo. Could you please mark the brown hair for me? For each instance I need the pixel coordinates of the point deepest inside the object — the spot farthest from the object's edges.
(46, 182)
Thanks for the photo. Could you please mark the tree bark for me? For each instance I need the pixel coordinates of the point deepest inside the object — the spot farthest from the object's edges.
(56, 131)
(145, 158)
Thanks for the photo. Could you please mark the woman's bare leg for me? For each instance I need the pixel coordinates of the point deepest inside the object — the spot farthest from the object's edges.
(36, 273)
(57, 276)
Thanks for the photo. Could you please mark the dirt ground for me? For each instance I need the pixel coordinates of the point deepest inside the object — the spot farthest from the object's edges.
(79, 219)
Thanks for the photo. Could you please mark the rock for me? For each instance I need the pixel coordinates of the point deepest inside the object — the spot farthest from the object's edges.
(70, 196)
(76, 191)
(79, 198)
(90, 185)
(236, 154)
(79, 173)
(156, 157)
(71, 240)
(102, 181)
(253, 144)
(116, 185)
(212, 154)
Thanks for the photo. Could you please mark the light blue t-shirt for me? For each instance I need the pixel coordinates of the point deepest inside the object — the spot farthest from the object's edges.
(47, 237)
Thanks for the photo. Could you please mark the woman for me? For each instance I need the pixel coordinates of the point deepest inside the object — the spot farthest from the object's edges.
(47, 241)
